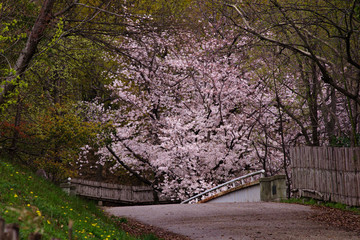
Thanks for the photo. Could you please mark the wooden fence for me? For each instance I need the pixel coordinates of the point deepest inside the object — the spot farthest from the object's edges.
(113, 192)
(327, 173)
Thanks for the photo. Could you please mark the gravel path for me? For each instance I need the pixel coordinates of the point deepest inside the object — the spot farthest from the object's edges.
(236, 221)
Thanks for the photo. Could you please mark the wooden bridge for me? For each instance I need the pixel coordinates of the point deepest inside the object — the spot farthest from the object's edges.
(110, 193)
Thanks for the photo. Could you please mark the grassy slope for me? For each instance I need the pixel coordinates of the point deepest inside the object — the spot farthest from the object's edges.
(39, 206)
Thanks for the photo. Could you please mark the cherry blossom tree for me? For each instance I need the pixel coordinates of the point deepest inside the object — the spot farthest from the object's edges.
(188, 116)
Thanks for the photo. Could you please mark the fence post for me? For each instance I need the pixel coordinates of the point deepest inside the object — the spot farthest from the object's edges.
(35, 236)
(2, 228)
(71, 223)
(12, 231)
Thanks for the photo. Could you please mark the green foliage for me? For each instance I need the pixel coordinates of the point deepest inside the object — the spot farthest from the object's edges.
(38, 206)
(11, 98)
(357, 11)
(50, 139)
(52, 129)
(8, 38)
(61, 132)
(342, 141)
(149, 237)
(73, 68)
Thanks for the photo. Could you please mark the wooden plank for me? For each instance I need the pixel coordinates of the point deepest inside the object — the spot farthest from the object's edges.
(309, 158)
(350, 166)
(355, 188)
(344, 160)
(12, 231)
(339, 185)
(326, 173)
(300, 177)
(337, 155)
(334, 189)
(317, 158)
(320, 156)
(323, 181)
(293, 158)
(346, 184)
(348, 188)
(357, 159)
(2, 227)
(35, 236)
(294, 178)
(358, 188)
(326, 160)
(305, 181)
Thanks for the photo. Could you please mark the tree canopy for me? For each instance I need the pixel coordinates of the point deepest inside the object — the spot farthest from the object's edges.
(181, 95)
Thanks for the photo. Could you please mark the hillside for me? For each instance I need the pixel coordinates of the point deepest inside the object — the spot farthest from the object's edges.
(39, 206)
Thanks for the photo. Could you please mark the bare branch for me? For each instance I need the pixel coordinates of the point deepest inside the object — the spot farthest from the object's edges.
(138, 176)
(66, 9)
(321, 62)
(99, 9)
(254, 32)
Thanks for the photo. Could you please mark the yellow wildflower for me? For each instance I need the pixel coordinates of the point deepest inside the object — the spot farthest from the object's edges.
(38, 213)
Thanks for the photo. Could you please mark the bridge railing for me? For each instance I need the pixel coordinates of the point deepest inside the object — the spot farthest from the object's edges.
(230, 183)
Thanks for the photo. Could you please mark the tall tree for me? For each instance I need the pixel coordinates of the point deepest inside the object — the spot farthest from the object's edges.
(325, 33)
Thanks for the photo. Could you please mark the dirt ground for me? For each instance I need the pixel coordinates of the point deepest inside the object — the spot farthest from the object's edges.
(239, 221)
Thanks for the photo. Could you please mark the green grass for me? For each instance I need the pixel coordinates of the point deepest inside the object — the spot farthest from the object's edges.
(314, 202)
(39, 206)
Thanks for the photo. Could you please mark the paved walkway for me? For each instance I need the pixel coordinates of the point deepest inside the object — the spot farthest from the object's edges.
(235, 221)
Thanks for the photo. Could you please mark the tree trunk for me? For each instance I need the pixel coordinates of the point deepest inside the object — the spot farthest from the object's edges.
(29, 50)
(16, 129)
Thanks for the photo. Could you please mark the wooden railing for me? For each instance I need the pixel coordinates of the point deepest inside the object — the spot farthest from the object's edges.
(327, 173)
(113, 192)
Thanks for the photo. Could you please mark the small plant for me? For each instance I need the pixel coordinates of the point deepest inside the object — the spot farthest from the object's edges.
(314, 202)
(149, 237)
(119, 219)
